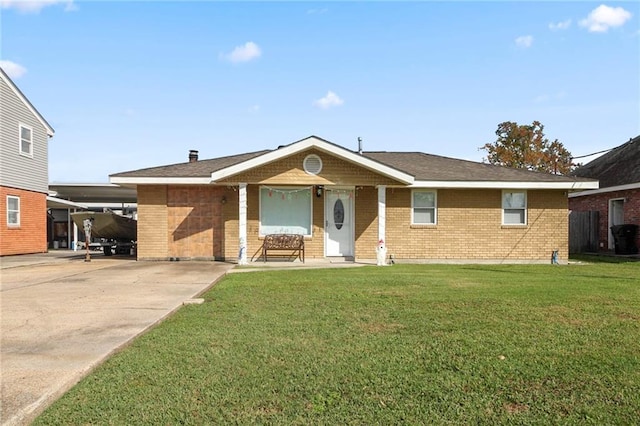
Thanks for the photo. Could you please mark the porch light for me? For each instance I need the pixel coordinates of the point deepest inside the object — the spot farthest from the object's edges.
(319, 190)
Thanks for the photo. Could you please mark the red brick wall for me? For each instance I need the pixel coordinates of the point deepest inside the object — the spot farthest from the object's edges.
(31, 235)
(600, 203)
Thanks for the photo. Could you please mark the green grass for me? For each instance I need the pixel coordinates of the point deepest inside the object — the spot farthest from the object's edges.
(406, 344)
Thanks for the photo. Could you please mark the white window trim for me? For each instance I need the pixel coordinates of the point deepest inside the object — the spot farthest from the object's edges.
(20, 127)
(17, 211)
(435, 207)
(526, 206)
(285, 188)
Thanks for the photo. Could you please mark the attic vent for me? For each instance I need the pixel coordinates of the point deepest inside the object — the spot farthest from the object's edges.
(312, 164)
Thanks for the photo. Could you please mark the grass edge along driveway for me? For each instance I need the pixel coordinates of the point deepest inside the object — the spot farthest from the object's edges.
(409, 344)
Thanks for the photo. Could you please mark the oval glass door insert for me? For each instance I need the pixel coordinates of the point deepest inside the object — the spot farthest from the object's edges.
(338, 213)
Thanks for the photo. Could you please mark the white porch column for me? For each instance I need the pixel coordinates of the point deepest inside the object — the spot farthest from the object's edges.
(381, 249)
(382, 212)
(75, 234)
(242, 220)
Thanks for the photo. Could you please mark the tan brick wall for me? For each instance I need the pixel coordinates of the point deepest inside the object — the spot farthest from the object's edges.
(470, 227)
(152, 222)
(197, 223)
(194, 219)
(31, 235)
(290, 170)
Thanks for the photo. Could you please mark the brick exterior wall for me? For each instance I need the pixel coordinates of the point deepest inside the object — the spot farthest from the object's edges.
(195, 223)
(469, 226)
(600, 203)
(153, 222)
(31, 235)
(200, 225)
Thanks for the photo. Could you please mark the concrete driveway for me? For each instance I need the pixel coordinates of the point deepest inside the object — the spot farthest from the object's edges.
(61, 318)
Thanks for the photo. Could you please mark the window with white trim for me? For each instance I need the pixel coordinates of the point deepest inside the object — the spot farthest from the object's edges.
(514, 207)
(13, 210)
(424, 207)
(285, 210)
(26, 140)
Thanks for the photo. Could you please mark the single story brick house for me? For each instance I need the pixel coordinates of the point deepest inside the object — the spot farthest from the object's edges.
(347, 203)
(617, 200)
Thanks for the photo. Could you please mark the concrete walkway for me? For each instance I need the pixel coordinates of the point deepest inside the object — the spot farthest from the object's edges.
(62, 316)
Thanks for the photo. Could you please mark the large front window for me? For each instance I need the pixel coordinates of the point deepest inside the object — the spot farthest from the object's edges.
(285, 210)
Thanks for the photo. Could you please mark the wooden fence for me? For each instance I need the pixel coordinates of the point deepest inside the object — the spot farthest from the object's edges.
(583, 232)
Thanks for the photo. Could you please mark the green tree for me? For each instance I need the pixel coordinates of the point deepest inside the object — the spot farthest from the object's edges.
(526, 147)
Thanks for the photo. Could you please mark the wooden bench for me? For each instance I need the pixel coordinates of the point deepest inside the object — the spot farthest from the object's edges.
(280, 242)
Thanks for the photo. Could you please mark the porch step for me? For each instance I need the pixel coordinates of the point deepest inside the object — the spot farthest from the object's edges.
(341, 259)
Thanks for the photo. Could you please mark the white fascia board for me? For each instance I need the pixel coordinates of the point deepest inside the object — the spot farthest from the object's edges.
(321, 146)
(607, 189)
(504, 185)
(160, 181)
(111, 205)
(62, 203)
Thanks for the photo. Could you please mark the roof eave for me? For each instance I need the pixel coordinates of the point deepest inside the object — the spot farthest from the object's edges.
(581, 185)
(27, 103)
(134, 181)
(605, 190)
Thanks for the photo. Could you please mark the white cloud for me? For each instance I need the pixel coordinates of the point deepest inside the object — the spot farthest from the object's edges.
(254, 109)
(604, 17)
(35, 6)
(563, 25)
(12, 69)
(330, 100)
(524, 41)
(244, 53)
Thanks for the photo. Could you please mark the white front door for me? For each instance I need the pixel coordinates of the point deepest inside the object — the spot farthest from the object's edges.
(338, 220)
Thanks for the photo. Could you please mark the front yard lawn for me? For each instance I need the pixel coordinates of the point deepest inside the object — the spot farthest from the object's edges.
(405, 344)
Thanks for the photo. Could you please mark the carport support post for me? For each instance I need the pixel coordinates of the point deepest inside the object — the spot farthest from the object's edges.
(242, 220)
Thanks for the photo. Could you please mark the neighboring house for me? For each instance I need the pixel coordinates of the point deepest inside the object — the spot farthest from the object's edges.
(24, 172)
(618, 199)
(346, 203)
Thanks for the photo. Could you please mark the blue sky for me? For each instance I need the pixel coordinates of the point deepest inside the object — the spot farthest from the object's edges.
(128, 85)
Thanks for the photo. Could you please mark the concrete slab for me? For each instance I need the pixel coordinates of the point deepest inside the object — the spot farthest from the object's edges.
(63, 317)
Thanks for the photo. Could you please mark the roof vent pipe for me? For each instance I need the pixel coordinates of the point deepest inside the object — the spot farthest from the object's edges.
(360, 145)
(193, 156)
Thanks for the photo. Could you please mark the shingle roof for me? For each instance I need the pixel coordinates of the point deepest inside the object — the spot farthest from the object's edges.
(620, 166)
(428, 167)
(424, 167)
(201, 168)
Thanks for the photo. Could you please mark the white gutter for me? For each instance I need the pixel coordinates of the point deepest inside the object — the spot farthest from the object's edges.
(502, 185)
(607, 189)
(160, 180)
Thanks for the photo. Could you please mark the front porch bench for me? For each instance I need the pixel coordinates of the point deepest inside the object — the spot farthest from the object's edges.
(290, 242)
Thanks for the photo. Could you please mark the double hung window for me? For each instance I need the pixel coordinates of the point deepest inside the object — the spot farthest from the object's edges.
(423, 207)
(26, 140)
(13, 210)
(514, 207)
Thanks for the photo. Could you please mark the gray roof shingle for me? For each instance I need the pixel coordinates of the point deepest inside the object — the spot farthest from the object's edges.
(424, 167)
(620, 166)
